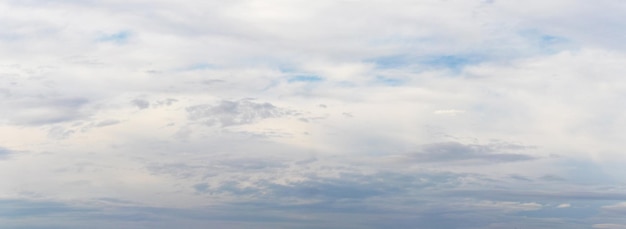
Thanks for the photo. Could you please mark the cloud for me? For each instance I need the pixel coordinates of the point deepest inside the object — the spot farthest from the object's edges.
(305, 78)
(449, 112)
(366, 114)
(44, 111)
(108, 122)
(615, 208)
(25, 208)
(59, 132)
(507, 206)
(509, 195)
(454, 151)
(141, 103)
(563, 206)
(231, 113)
(4, 153)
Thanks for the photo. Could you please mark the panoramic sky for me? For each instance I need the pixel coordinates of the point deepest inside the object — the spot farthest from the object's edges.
(312, 114)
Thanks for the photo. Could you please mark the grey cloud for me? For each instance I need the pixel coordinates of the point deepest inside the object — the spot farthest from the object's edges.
(348, 186)
(266, 178)
(406, 201)
(4, 92)
(178, 170)
(616, 208)
(166, 102)
(212, 82)
(422, 215)
(141, 103)
(251, 164)
(306, 161)
(352, 200)
(329, 189)
(230, 113)
(31, 214)
(550, 177)
(574, 212)
(454, 151)
(201, 187)
(46, 111)
(108, 122)
(16, 208)
(519, 177)
(264, 214)
(215, 166)
(513, 195)
(265, 134)
(254, 43)
(310, 190)
(59, 132)
(103, 123)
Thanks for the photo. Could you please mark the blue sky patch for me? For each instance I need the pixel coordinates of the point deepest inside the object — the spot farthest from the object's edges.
(389, 81)
(544, 42)
(452, 62)
(305, 78)
(4, 152)
(120, 37)
(389, 62)
(197, 67)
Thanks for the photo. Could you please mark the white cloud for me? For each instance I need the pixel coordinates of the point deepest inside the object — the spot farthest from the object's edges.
(563, 206)
(146, 100)
(451, 112)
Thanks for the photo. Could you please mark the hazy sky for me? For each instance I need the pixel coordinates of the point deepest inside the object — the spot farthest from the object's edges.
(312, 114)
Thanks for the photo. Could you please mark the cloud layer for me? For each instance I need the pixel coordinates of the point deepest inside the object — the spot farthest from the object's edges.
(312, 114)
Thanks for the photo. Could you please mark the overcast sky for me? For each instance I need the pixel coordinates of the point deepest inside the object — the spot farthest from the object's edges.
(312, 114)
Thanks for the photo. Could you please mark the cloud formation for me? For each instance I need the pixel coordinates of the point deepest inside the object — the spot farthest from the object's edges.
(4, 153)
(312, 114)
(454, 151)
(229, 113)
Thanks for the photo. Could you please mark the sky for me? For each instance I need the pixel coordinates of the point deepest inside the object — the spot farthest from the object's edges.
(312, 114)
